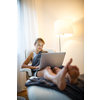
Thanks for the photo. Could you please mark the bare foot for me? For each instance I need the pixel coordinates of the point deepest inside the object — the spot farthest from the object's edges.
(73, 73)
(59, 79)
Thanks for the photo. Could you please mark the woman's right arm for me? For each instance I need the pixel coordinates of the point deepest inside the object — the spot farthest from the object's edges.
(25, 63)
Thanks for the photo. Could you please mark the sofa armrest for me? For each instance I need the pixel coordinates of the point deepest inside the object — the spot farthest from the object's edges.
(26, 70)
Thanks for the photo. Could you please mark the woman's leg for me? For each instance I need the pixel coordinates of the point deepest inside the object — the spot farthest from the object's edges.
(40, 73)
(58, 79)
(57, 69)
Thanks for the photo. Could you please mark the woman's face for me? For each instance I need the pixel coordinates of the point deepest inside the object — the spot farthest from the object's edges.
(39, 45)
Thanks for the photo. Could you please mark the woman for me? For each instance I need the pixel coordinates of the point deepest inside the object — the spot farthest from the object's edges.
(55, 75)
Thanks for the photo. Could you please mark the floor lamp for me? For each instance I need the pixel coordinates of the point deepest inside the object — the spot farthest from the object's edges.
(63, 28)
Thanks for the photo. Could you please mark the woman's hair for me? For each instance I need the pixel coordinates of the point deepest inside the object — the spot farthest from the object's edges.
(39, 39)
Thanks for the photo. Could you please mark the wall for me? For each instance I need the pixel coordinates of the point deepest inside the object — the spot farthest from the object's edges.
(49, 11)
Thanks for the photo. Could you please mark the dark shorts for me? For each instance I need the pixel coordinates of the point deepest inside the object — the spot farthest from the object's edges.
(34, 72)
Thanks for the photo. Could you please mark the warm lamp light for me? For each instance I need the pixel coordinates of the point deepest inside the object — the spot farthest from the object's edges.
(63, 28)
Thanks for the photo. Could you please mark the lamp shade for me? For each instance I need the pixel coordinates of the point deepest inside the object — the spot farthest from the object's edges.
(63, 27)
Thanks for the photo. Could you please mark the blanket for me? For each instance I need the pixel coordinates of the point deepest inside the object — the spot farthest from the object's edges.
(75, 92)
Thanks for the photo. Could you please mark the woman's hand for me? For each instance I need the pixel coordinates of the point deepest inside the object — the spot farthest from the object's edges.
(34, 67)
(37, 67)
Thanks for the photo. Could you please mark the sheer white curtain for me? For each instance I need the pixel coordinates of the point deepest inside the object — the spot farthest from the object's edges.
(27, 32)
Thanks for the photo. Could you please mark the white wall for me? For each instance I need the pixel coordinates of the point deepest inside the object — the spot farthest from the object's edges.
(49, 11)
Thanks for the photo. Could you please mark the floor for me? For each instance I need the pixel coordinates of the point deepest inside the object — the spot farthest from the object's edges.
(23, 94)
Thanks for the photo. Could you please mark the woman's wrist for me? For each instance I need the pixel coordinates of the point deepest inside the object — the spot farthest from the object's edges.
(32, 67)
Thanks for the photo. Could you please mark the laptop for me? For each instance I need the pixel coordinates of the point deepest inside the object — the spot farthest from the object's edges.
(51, 59)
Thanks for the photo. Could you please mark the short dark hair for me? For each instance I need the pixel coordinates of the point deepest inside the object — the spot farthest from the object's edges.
(39, 39)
